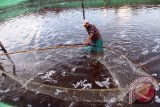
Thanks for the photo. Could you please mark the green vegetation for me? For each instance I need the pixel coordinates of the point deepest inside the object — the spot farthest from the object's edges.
(16, 12)
(13, 8)
(76, 3)
(9, 3)
(4, 105)
(132, 2)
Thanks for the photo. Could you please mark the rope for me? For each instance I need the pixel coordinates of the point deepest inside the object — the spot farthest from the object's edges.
(67, 94)
(83, 10)
(24, 82)
(75, 46)
(47, 48)
(132, 60)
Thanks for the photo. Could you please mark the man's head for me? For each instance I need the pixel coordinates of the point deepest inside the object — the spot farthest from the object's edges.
(85, 23)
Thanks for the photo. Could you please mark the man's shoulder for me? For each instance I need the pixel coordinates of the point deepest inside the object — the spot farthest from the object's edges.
(92, 25)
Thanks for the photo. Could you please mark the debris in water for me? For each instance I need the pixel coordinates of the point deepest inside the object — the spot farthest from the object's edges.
(157, 99)
(57, 92)
(29, 105)
(154, 75)
(105, 83)
(48, 74)
(83, 85)
(4, 91)
(145, 52)
(15, 99)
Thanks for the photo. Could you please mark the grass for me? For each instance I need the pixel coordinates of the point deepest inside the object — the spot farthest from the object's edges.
(132, 2)
(16, 12)
(13, 8)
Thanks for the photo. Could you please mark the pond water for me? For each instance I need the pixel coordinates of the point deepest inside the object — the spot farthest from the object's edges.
(133, 31)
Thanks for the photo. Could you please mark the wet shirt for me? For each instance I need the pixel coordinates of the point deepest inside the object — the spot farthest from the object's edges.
(91, 29)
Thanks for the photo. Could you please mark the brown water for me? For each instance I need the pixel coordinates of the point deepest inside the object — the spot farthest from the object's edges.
(130, 30)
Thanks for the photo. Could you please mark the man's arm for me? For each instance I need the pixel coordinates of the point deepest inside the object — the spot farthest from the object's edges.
(88, 40)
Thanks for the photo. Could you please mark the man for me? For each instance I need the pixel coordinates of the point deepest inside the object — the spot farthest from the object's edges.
(94, 39)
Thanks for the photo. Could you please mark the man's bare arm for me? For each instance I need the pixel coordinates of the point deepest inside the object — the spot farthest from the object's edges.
(88, 40)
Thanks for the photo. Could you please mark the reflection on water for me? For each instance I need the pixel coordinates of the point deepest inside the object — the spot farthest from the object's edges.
(129, 30)
(123, 17)
(124, 13)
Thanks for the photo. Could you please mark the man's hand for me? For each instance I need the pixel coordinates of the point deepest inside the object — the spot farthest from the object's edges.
(88, 40)
(85, 43)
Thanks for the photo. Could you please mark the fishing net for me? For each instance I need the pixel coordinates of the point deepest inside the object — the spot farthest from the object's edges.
(63, 73)
(77, 76)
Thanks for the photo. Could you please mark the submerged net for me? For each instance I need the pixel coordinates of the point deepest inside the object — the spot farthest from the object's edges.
(77, 77)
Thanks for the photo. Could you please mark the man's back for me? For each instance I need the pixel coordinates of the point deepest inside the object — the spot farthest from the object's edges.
(91, 29)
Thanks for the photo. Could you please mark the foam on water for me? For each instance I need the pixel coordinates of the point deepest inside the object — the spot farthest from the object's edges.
(154, 74)
(48, 74)
(16, 99)
(58, 92)
(145, 52)
(105, 83)
(68, 42)
(4, 91)
(83, 84)
(29, 105)
(157, 99)
(63, 73)
(73, 70)
(156, 48)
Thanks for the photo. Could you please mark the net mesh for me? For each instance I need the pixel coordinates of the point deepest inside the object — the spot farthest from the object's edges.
(61, 80)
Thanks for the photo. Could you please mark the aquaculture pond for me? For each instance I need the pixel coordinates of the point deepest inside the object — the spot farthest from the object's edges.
(132, 31)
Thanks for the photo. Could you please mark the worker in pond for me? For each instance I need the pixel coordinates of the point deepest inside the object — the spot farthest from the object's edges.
(94, 40)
